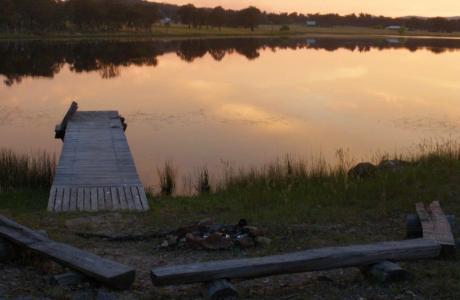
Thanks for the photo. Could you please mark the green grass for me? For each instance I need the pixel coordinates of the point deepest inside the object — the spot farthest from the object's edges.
(24, 202)
(180, 31)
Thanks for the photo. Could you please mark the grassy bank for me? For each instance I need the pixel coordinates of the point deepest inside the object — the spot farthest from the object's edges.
(179, 31)
(301, 204)
(289, 190)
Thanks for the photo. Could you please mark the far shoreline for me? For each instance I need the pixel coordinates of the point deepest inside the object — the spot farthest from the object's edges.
(183, 32)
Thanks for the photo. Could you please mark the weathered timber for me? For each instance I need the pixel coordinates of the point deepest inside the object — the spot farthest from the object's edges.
(95, 165)
(69, 278)
(6, 250)
(61, 128)
(414, 226)
(220, 289)
(386, 272)
(436, 227)
(305, 261)
(105, 271)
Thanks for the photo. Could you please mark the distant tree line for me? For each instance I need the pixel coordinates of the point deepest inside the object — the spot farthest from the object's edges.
(46, 15)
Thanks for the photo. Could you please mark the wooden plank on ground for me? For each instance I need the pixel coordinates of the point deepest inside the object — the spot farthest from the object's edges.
(103, 270)
(442, 226)
(304, 261)
(435, 226)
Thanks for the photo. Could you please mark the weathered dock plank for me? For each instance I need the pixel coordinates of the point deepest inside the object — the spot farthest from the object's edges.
(96, 161)
(103, 270)
(304, 261)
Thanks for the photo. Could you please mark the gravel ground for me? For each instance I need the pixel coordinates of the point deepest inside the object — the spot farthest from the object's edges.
(28, 276)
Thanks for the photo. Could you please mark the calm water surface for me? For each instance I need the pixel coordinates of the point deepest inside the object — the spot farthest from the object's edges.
(246, 101)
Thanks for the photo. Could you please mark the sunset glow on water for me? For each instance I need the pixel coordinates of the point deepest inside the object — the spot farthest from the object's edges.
(246, 106)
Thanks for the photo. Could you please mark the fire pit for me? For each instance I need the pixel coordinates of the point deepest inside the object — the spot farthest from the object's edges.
(207, 235)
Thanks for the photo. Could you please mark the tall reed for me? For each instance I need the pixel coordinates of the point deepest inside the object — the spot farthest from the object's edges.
(26, 170)
(168, 178)
(203, 185)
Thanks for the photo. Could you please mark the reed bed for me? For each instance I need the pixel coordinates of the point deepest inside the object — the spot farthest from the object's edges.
(34, 170)
(294, 189)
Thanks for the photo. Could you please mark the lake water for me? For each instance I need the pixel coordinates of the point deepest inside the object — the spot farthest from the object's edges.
(246, 101)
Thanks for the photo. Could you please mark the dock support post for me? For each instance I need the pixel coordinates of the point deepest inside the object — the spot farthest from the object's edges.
(386, 272)
(220, 289)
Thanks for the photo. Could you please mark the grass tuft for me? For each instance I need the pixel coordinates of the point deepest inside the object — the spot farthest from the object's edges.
(203, 185)
(168, 178)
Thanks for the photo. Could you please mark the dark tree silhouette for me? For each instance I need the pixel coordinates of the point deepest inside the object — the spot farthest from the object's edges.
(250, 17)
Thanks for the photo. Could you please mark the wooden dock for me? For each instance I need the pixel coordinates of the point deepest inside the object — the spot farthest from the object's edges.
(96, 170)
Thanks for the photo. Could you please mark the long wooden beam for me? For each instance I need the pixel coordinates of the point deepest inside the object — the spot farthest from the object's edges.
(108, 272)
(298, 262)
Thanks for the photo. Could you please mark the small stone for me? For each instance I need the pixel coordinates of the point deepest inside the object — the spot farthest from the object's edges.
(165, 244)
(263, 241)
(362, 170)
(217, 241)
(394, 165)
(246, 242)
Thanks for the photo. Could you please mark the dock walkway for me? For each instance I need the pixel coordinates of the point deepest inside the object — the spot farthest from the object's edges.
(96, 170)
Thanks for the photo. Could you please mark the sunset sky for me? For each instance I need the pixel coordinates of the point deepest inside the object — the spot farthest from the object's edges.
(379, 7)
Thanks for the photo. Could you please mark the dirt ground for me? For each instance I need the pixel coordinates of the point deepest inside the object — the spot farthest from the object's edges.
(28, 277)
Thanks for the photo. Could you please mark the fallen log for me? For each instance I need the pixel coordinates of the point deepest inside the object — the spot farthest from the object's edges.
(6, 250)
(297, 262)
(105, 271)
